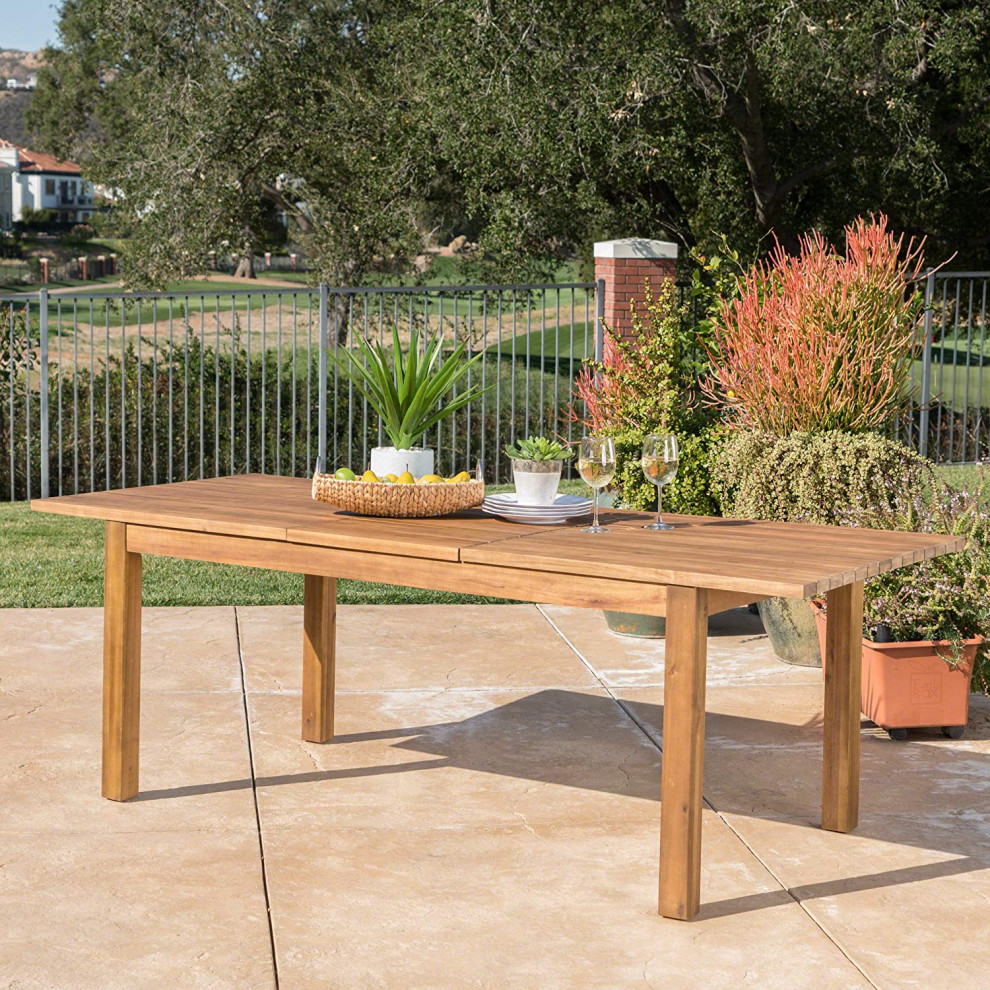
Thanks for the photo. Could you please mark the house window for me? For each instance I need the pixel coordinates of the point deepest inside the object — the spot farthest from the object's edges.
(49, 187)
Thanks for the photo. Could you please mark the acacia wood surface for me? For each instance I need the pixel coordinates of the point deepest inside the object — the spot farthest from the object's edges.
(843, 666)
(121, 666)
(683, 747)
(319, 656)
(751, 558)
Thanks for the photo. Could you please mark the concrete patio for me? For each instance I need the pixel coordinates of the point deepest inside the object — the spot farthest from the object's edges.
(486, 817)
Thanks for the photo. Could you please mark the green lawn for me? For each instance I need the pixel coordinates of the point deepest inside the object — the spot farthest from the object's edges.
(56, 562)
(969, 476)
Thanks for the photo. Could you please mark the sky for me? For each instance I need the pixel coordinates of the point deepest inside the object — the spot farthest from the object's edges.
(27, 24)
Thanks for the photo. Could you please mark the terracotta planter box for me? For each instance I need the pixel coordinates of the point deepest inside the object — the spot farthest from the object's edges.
(909, 685)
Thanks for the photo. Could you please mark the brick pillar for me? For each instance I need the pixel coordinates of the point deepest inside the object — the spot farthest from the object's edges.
(44, 270)
(292, 258)
(625, 265)
(101, 265)
(112, 265)
(83, 274)
(268, 260)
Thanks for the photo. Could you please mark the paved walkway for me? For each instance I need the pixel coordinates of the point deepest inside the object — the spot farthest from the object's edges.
(487, 816)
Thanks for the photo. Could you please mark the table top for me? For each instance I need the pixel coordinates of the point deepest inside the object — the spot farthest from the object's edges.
(763, 558)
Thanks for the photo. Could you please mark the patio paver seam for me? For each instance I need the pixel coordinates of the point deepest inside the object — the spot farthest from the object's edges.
(254, 797)
(658, 743)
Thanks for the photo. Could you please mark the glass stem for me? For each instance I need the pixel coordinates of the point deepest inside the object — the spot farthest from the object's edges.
(659, 492)
(595, 523)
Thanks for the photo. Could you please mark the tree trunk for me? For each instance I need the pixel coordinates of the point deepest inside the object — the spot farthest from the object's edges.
(245, 266)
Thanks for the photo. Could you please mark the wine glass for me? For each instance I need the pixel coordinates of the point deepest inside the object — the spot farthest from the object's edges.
(660, 468)
(596, 465)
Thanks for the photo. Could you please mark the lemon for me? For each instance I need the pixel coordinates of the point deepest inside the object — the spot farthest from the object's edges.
(369, 476)
(431, 479)
(406, 479)
(463, 476)
(391, 477)
(344, 474)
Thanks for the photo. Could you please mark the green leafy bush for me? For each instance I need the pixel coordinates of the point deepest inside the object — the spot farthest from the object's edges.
(647, 385)
(690, 492)
(817, 477)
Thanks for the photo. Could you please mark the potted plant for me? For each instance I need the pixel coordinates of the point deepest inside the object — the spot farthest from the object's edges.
(814, 344)
(536, 467)
(924, 626)
(411, 394)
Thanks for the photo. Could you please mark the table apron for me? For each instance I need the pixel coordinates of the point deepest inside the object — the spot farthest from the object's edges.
(584, 591)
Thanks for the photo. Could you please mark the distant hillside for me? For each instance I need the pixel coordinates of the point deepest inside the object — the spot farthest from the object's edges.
(16, 65)
(19, 65)
(12, 109)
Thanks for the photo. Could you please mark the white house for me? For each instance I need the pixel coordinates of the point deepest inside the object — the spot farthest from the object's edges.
(37, 181)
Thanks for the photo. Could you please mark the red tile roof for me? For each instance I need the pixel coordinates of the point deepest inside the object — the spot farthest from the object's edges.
(39, 161)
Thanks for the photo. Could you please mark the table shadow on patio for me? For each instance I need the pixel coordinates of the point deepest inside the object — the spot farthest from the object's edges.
(755, 768)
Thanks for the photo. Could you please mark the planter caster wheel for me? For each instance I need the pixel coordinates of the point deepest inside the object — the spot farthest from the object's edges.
(899, 734)
(953, 731)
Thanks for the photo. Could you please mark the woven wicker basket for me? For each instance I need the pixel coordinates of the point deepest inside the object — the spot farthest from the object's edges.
(382, 498)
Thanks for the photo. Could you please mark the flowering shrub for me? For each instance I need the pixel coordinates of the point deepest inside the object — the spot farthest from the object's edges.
(640, 384)
(824, 478)
(821, 341)
(646, 385)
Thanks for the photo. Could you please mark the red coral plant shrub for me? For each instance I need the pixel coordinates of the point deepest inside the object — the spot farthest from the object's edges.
(821, 340)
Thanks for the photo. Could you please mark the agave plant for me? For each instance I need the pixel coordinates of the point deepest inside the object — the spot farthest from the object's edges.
(410, 394)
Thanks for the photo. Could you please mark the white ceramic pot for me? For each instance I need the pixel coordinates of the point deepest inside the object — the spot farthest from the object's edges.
(389, 460)
(536, 481)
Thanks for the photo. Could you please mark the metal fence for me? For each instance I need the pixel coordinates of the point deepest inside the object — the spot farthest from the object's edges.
(951, 374)
(102, 390)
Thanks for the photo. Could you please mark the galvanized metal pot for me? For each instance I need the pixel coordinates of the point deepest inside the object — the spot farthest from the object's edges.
(790, 624)
(633, 624)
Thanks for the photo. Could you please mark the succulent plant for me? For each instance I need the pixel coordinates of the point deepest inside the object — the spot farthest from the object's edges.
(539, 449)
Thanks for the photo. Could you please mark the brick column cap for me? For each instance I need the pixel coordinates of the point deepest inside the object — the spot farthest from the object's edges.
(635, 247)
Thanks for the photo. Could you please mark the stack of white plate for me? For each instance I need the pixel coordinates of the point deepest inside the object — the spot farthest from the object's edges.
(563, 508)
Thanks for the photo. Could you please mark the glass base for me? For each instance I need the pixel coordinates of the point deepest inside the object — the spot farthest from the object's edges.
(659, 526)
(595, 529)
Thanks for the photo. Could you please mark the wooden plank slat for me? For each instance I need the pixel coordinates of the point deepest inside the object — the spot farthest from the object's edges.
(440, 575)
(698, 557)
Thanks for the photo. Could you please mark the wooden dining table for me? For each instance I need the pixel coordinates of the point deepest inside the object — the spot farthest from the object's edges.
(703, 566)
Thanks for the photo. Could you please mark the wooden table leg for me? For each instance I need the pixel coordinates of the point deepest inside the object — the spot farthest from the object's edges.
(843, 665)
(319, 629)
(121, 666)
(682, 762)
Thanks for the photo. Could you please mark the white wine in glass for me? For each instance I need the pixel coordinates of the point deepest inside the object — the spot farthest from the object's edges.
(596, 465)
(659, 468)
